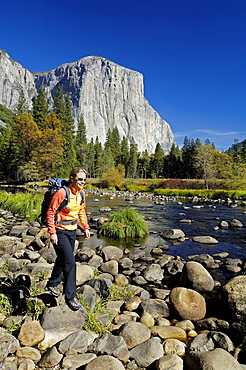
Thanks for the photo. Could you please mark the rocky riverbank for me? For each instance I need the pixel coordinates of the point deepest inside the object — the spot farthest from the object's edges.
(176, 317)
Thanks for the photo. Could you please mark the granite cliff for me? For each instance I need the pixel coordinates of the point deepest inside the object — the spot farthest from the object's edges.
(104, 93)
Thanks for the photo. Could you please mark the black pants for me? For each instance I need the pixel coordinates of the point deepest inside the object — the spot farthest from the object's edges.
(65, 265)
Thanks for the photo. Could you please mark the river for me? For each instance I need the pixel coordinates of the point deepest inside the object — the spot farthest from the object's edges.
(167, 215)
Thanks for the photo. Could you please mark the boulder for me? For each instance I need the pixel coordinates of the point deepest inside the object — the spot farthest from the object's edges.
(234, 293)
(189, 304)
(31, 333)
(8, 344)
(74, 343)
(172, 362)
(112, 253)
(174, 347)
(111, 267)
(205, 239)
(173, 234)
(147, 352)
(105, 362)
(77, 361)
(166, 332)
(58, 322)
(216, 359)
(110, 345)
(210, 340)
(50, 359)
(153, 272)
(196, 277)
(83, 274)
(155, 307)
(134, 333)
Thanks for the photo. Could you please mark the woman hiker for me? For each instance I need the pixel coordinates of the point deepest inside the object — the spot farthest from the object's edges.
(62, 229)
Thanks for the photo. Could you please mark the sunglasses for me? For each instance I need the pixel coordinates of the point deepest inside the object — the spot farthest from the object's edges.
(80, 179)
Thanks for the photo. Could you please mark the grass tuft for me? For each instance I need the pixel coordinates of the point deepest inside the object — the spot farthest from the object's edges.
(127, 223)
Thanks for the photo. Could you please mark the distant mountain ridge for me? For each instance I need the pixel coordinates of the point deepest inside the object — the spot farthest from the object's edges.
(106, 94)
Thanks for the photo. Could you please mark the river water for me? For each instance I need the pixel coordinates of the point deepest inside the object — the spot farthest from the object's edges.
(165, 215)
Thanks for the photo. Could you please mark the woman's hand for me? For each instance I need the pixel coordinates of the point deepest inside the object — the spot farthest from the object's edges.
(87, 234)
(54, 239)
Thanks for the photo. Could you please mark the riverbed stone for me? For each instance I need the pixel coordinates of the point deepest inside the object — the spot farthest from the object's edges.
(109, 344)
(89, 295)
(51, 358)
(125, 263)
(147, 352)
(186, 325)
(31, 333)
(204, 258)
(155, 307)
(169, 362)
(134, 333)
(8, 344)
(74, 343)
(174, 347)
(112, 253)
(29, 352)
(58, 322)
(212, 323)
(209, 340)
(25, 364)
(153, 272)
(77, 361)
(132, 303)
(174, 267)
(234, 293)
(8, 244)
(189, 304)
(110, 267)
(121, 280)
(173, 234)
(205, 239)
(216, 359)
(166, 332)
(83, 274)
(196, 277)
(105, 362)
(235, 223)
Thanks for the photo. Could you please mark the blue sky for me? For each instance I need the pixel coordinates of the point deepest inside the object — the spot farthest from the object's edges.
(192, 53)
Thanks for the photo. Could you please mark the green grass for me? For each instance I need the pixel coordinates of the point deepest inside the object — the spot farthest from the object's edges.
(5, 305)
(203, 193)
(23, 204)
(117, 293)
(92, 322)
(127, 223)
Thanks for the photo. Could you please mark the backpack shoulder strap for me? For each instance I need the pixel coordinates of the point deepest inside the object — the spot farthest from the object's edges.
(82, 194)
(66, 199)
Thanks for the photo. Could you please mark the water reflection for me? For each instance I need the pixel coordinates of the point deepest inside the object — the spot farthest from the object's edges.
(163, 216)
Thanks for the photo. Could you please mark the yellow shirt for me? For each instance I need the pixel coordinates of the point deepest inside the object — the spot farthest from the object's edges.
(73, 211)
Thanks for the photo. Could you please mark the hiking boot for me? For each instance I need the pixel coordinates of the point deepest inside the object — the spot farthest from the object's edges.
(74, 304)
(53, 290)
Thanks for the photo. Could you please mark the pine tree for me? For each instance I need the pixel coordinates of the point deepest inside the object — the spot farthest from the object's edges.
(133, 161)
(124, 155)
(63, 110)
(21, 106)
(188, 156)
(157, 161)
(40, 109)
(98, 158)
(81, 143)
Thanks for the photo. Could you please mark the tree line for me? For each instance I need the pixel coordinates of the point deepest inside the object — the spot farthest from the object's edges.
(43, 142)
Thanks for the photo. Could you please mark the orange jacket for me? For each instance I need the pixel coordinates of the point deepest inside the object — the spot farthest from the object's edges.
(74, 210)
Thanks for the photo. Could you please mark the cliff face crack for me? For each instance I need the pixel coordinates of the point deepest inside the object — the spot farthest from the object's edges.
(106, 95)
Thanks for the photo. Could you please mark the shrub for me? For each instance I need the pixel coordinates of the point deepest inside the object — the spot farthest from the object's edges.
(127, 223)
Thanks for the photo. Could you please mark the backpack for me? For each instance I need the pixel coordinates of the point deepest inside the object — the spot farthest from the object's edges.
(54, 185)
